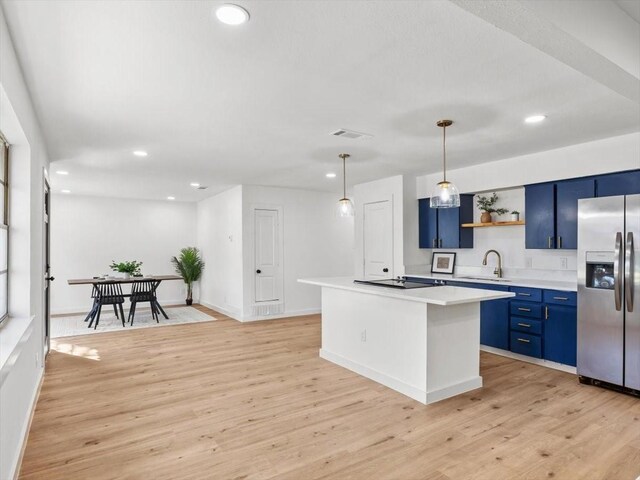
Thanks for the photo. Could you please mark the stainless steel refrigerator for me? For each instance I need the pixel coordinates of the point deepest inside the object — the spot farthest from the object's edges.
(609, 292)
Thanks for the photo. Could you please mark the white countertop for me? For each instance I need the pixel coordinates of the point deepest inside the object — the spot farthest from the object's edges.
(508, 282)
(441, 295)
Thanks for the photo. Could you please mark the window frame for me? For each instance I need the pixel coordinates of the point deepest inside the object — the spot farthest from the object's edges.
(4, 221)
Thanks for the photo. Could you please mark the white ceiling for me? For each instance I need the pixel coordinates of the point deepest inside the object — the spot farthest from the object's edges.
(255, 104)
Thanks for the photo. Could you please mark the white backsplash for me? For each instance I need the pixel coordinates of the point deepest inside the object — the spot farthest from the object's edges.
(517, 262)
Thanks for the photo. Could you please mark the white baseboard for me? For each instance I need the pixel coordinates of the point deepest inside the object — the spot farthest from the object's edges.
(236, 314)
(286, 314)
(379, 377)
(524, 358)
(453, 390)
(25, 433)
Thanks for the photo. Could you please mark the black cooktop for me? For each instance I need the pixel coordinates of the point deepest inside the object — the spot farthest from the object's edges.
(395, 283)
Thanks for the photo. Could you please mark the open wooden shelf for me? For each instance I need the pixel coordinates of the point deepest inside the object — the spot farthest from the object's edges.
(492, 224)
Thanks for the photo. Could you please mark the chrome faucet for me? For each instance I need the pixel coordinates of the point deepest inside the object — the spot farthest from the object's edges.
(498, 270)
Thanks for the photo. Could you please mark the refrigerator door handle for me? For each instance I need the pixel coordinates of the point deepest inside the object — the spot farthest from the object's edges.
(628, 272)
(617, 290)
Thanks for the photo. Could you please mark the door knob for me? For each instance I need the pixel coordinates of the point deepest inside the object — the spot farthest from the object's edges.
(258, 271)
(385, 270)
(49, 279)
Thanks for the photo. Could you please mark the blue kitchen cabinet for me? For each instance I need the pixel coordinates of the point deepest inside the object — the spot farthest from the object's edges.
(560, 334)
(567, 195)
(440, 227)
(623, 183)
(494, 323)
(540, 229)
(427, 224)
(551, 211)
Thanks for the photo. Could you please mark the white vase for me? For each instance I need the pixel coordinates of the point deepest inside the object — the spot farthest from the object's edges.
(126, 276)
(515, 217)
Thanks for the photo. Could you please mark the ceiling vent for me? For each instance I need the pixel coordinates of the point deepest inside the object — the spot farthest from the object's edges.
(344, 133)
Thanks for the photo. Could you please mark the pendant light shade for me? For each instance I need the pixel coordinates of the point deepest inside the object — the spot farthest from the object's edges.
(445, 194)
(345, 206)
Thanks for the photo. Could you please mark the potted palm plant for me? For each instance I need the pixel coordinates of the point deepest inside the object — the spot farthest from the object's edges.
(189, 265)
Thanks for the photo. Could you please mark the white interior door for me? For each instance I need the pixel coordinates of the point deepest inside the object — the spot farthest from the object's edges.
(378, 240)
(267, 255)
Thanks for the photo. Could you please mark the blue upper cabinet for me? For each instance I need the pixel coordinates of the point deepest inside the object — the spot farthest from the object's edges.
(567, 195)
(623, 183)
(427, 224)
(440, 227)
(540, 229)
(551, 211)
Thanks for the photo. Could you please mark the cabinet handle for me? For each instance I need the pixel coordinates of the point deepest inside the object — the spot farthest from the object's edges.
(524, 340)
(546, 313)
(524, 309)
(559, 242)
(561, 298)
(549, 241)
(385, 270)
(524, 325)
(440, 243)
(433, 243)
(524, 294)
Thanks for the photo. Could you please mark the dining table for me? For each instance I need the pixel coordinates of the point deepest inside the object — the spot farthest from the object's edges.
(121, 280)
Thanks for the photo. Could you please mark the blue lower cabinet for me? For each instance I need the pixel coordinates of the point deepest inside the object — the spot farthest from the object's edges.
(526, 325)
(526, 344)
(494, 323)
(560, 334)
(526, 309)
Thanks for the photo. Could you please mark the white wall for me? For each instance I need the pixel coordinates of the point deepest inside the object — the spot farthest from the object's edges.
(220, 240)
(591, 158)
(88, 233)
(21, 337)
(317, 243)
(401, 190)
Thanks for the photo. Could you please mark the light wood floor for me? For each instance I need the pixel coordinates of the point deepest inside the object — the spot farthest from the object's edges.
(225, 400)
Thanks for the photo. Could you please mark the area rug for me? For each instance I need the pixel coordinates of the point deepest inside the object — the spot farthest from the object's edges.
(72, 325)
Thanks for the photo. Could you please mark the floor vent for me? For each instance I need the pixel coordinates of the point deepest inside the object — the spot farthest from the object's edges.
(344, 133)
(266, 310)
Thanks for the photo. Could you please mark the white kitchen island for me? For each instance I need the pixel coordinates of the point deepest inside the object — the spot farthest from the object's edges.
(423, 342)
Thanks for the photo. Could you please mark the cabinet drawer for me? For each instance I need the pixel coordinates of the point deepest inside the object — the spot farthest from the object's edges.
(526, 325)
(528, 294)
(526, 309)
(526, 344)
(559, 297)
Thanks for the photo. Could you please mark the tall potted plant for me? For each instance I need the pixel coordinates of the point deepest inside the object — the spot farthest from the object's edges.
(189, 265)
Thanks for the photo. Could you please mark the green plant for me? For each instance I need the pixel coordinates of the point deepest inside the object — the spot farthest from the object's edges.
(515, 212)
(487, 204)
(132, 267)
(189, 265)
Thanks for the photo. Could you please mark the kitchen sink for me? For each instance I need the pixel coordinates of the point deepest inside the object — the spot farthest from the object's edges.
(489, 279)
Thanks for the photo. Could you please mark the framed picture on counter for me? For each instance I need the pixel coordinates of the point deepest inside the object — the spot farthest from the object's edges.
(443, 262)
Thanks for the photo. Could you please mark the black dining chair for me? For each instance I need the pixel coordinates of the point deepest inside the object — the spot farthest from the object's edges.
(144, 291)
(108, 293)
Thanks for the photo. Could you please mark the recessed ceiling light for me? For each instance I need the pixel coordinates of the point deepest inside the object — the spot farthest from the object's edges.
(194, 184)
(230, 14)
(330, 175)
(140, 153)
(535, 118)
(171, 198)
(65, 191)
(62, 172)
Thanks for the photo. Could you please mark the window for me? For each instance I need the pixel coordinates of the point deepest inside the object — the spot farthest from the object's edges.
(4, 227)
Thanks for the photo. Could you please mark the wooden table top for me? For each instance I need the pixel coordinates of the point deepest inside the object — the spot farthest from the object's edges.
(91, 281)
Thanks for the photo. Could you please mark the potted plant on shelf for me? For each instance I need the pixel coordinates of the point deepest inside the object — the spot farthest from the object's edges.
(126, 268)
(487, 206)
(189, 265)
(515, 216)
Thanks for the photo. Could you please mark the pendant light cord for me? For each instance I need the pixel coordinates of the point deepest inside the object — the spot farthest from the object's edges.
(344, 177)
(444, 153)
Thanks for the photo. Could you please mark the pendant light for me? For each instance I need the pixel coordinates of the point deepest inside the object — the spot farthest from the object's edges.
(345, 206)
(445, 194)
